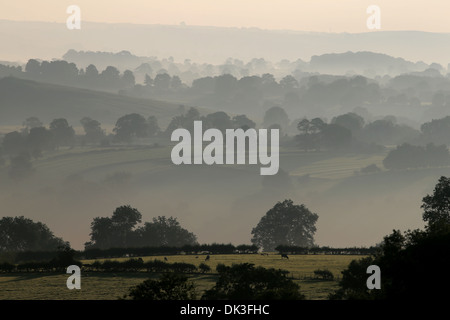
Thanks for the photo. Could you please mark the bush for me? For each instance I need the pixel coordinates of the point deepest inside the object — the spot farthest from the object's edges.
(246, 282)
(203, 267)
(324, 274)
(170, 286)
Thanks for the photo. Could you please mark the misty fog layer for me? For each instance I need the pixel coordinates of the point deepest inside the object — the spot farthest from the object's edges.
(217, 203)
(353, 110)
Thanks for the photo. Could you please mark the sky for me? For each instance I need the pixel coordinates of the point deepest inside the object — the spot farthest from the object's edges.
(302, 15)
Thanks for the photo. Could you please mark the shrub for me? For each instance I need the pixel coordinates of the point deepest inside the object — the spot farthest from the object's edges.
(324, 274)
(203, 267)
(170, 286)
(246, 282)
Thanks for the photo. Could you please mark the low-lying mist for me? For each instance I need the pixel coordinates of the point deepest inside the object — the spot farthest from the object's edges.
(220, 203)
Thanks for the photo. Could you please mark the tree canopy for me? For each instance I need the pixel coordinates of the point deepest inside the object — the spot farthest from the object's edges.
(23, 234)
(437, 206)
(286, 224)
(131, 126)
(121, 231)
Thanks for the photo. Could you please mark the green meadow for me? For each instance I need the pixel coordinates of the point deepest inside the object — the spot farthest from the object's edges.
(111, 286)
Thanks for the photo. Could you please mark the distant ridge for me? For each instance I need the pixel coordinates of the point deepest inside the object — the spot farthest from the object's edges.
(47, 40)
(363, 62)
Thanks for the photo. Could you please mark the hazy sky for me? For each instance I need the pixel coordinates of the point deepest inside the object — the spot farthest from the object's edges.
(306, 15)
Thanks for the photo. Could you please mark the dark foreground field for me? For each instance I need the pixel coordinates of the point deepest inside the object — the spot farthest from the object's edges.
(110, 286)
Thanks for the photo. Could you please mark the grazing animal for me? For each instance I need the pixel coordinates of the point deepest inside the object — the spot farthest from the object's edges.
(165, 259)
(207, 258)
(196, 257)
(284, 256)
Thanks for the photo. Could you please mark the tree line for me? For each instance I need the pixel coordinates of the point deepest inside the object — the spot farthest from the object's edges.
(96, 253)
(121, 233)
(296, 89)
(346, 132)
(214, 248)
(130, 265)
(325, 250)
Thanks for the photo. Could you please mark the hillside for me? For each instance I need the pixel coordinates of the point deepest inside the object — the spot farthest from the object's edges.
(20, 99)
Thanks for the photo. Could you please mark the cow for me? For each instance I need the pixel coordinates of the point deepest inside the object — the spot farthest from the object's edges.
(207, 258)
(283, 255)
(165, 259)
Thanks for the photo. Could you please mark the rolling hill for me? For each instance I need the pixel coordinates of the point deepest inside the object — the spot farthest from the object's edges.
(20, 99)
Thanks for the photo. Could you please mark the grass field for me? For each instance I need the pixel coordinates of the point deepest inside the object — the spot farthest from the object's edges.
(110, 286)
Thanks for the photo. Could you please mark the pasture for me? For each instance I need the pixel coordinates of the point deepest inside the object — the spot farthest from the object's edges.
(110, 286)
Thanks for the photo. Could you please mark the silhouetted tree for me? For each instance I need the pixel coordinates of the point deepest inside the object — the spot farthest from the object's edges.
(39, 139)
(59, 71)
(63, 133)
(93, 131)
(23, 234)
(289, 83)
(164, 231)
(101, 233)
(128, 79)
(276, 115)
(351, 121)
(176, 83)
(14, 143)
(33, 67)
(311, 133)
(162, 81)
(131, 126)
(241, 121)
(218, 120)
(437, 130)
(286, 224)
(116, 231)
(30, 123)
(437, 206)
(110, 77)
(91, 73)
